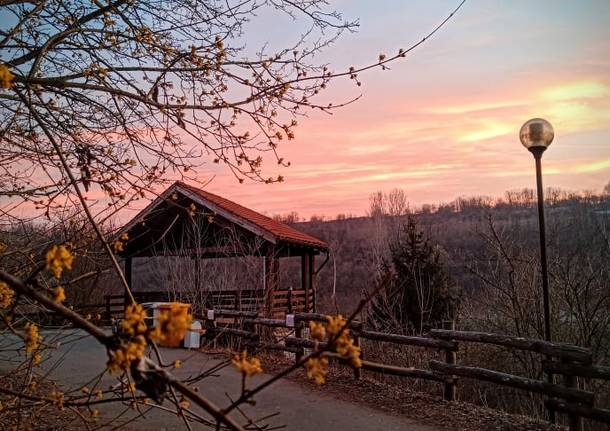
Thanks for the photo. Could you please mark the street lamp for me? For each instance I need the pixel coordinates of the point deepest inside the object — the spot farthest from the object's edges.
(536, 135)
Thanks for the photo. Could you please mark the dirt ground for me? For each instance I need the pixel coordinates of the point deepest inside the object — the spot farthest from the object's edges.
(423, 408)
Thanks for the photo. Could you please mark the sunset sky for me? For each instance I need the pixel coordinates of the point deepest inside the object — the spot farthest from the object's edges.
(444, 121)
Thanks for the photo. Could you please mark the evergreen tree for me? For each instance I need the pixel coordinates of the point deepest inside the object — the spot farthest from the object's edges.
(420, 294)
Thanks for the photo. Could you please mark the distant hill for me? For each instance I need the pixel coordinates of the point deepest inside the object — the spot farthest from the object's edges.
(459, 232)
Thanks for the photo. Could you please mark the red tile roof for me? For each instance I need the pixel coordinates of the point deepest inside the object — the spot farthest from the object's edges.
(281, 231)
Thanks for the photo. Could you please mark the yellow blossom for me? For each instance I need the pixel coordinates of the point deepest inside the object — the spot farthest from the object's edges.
(121, 358)
(125, 236)
(347, 349)
(177, 363)
(192, 209)
(32, 339)
(317, 369)
(59, 295)
(344, 344)
(36, 359)
(172, 324)
(59, 399)
(59, 258)
(95, 413)
(6, 77)
(99, 394)
(247, 366)
(317, 330)
(118, 246)
(135, 320)
(6, 295)
(184, 403)
(335, 324)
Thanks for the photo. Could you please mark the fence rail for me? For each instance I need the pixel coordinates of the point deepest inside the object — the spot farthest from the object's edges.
(568, 352)
(567, 360)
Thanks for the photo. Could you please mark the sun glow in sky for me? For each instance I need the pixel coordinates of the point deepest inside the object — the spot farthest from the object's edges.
(444, 121)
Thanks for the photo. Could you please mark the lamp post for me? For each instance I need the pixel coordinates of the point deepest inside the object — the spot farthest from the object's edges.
(536, 135)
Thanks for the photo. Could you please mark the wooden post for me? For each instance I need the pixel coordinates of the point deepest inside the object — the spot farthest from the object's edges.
(312, 281)
(357, 371)
(306, 278)
(298, 333)
(128, 277)
(574, 421)
(450, 359)
(272, 281)
(268, 286)
(248, 325)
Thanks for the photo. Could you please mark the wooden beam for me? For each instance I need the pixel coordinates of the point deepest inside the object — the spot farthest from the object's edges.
(231, 313)
(513, 381)
(563, 351)
(601, 415)
(305, 342)
(409, 340)
(278, 323)
(589, 371)
(394, 370)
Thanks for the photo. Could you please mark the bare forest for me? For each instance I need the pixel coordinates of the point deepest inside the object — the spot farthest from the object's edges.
(490, 250)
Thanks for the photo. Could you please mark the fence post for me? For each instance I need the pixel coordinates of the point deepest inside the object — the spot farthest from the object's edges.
(298, 333)
(450, 359)
(570, 381)
(357, 371)
(210, 323)
(255, 339)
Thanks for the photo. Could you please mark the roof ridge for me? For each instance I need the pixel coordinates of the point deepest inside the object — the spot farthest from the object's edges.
(232, 202)
(278, 229)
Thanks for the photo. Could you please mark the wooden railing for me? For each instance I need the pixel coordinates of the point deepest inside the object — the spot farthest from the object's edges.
(568, 361)
(247, 300)
(291, 301)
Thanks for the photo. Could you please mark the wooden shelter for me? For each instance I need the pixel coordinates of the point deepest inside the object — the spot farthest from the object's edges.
(231, 230)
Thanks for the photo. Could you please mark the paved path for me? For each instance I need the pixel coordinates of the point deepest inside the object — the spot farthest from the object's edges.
(298, 407)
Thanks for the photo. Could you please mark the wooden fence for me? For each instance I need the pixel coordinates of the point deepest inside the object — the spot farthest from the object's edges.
(246, 300)
(569, 362)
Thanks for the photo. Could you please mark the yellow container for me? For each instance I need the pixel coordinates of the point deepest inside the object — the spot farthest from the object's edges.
(173, 339)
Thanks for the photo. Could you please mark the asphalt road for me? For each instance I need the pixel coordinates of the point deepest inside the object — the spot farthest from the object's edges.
(294, 406)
